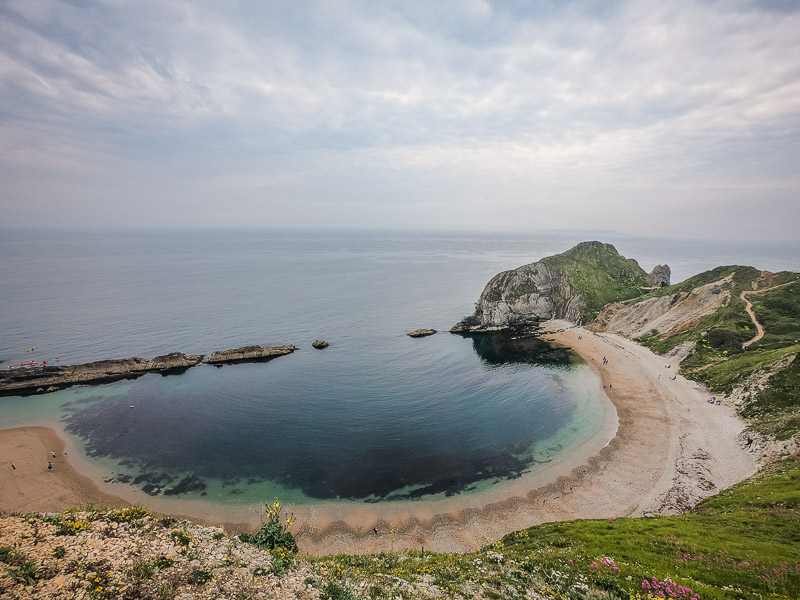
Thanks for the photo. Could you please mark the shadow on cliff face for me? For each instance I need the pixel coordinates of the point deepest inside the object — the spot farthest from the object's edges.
(503, 347)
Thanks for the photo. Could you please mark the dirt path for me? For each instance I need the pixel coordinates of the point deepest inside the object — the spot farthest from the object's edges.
(749, 309)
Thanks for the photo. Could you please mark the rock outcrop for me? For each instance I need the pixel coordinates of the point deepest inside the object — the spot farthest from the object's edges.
(573, 286)
(32, 379)
(659, 276)
(248, 354)
(421, 333)
(319, 344)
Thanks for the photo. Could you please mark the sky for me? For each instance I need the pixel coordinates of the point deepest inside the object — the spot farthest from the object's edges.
(647, 117)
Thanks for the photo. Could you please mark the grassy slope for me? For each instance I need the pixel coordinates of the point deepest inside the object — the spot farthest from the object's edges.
(731, 318)
(742, 543)
(600, 274)
(718, 359)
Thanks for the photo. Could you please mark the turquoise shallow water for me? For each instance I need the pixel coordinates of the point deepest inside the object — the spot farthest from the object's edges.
(376, 417)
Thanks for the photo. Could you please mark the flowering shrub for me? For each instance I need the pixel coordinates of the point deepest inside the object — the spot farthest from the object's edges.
(70, 526)
(605, 562)
(667, 589)
(181, 537)
(275, 533)
(126, 515)
(164, 562)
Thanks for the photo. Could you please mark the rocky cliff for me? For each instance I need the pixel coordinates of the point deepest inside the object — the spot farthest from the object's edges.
(574, 286)
(41, 379)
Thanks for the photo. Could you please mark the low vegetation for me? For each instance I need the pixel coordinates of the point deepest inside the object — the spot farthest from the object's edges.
(742, 544)
(765, 376)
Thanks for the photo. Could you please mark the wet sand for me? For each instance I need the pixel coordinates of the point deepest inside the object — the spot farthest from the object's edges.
(661, 448)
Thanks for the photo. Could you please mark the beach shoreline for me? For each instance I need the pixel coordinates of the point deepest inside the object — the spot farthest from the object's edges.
(660, 449)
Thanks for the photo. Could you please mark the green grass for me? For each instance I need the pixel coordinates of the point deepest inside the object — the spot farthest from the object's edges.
(718, 359)
(737, 539)
(779, 312)
(600, 274)
(743, 543)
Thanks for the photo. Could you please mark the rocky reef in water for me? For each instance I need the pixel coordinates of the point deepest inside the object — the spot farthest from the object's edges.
(249, 354)
(34, 380)
(41, 379)
(573, 286)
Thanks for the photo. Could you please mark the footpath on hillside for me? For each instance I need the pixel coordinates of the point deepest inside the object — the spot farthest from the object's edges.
(749, 308)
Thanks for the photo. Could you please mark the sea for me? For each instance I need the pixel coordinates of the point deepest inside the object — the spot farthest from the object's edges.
(377, 417)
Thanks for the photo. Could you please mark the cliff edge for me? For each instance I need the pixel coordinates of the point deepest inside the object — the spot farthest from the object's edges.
(573, 286)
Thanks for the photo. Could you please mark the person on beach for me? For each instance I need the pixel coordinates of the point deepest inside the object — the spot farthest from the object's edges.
(53, 453)
(13, 467)
(375, 531)
(49, 466)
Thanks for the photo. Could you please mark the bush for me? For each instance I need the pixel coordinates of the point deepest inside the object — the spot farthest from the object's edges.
(25, 572)
(722, 339)
(274, 534)
(334, 591)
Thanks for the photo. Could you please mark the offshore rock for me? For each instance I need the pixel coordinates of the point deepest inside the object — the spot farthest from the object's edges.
(40, 379)
(249, 354)
(659, 276)
(421, 333)
(573, 286)
(319, 344)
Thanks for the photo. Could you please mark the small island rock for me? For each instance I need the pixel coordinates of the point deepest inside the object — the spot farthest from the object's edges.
(320, 344)
(421, 333)
(248, 354)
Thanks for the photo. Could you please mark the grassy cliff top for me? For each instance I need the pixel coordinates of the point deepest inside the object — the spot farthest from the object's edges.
(600, 273)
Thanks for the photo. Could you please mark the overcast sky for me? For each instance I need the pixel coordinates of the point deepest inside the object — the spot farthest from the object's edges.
(648, 117)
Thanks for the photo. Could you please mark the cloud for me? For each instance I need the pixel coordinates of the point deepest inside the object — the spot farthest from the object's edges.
(441, 112)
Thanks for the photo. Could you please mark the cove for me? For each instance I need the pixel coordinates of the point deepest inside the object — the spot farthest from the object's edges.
(449, 417)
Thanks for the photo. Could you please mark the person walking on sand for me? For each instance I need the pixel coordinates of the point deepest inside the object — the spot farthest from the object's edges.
(13, 467)
(375, 531)
(49, 466)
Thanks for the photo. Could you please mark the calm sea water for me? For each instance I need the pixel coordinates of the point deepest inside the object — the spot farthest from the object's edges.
(377, 416)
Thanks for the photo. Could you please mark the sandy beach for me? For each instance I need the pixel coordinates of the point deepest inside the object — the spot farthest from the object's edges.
(26, 483)
(662, 448)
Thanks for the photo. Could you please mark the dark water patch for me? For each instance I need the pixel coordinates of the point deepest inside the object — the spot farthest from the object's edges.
(152, 490)
(503, 347)
(154, 478)
(187, 485)
(120, 478)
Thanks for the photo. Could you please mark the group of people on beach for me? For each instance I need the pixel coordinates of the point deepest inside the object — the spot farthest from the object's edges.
(49, 462)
